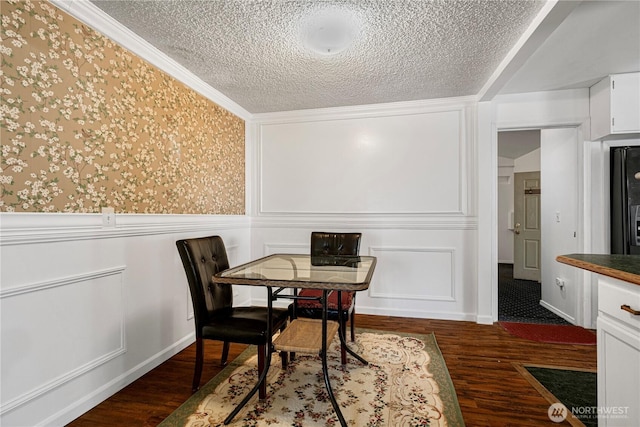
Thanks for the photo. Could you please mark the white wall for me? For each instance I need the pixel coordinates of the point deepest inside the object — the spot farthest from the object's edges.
(87, 310)
(530, 162)
(559, 219)
(400, 174)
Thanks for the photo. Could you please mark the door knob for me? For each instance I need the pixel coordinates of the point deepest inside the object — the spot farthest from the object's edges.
(517, 228)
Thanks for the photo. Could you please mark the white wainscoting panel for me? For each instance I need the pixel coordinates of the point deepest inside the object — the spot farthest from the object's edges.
(76, 321)
(421, 273)
(414, 273)
(77, 326)
(404, 163)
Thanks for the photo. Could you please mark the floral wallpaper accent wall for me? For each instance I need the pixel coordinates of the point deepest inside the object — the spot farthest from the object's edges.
(86, 124)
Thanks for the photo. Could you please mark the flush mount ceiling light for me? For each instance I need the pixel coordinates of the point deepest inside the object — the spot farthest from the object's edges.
(329, 34)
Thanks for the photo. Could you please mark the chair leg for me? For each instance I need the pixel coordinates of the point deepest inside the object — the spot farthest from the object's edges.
(225, 353)
(198, 369)
(262, 392)
(353, 322)
(343, 349)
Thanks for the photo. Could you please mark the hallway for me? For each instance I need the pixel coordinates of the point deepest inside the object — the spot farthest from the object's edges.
(519, 300)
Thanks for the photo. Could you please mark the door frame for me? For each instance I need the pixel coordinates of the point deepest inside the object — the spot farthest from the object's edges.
(584, 314)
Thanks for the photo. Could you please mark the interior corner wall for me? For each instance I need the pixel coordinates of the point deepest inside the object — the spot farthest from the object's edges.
(400, 174)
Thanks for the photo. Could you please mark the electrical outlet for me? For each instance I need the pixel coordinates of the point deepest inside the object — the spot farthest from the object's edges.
(108, 217)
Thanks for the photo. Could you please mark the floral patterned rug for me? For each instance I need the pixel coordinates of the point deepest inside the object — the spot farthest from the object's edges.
(405, 384)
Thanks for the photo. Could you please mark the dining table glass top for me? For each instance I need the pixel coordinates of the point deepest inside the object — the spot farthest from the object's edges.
(303, 271)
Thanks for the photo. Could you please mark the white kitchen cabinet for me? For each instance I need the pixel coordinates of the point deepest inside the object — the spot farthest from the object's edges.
(618, 353)
(615, 107)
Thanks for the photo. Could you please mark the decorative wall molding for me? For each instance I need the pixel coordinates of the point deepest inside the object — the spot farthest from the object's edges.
(85, 367)
(95, 397)
(62, 281)
(97, 19)
(367, 221)
(29, 228)
(280, 130)
(448, 296)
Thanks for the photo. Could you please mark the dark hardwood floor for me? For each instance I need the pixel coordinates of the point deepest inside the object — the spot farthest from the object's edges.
(479, 358)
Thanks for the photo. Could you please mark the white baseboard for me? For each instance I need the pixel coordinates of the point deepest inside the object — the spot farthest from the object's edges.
(484, 320)
(418, 314)
(73, 411)
(562, 314)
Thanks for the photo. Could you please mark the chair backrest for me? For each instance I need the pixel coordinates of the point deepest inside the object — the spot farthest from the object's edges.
(202, 258)
(331, 244)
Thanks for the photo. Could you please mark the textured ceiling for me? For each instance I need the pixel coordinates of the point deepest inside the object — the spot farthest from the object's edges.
(598, 38)
(252, 50)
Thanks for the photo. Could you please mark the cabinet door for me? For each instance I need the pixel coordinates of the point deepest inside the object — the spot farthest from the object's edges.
(618, 374)
(625, 103)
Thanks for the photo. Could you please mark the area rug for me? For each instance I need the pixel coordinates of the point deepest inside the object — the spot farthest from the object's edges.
(554, 334)
(405, 384)
(576, 389)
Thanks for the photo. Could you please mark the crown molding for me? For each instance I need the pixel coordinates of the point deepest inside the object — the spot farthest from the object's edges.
(368, 110)
(100, 21)
(382, 222)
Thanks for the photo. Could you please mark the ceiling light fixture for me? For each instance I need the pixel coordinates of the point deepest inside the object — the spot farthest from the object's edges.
(329, 34)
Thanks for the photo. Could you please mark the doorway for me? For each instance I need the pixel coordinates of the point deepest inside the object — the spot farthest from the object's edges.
(521, 185)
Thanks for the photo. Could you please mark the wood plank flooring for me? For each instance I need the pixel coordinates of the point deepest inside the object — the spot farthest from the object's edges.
(490, 390)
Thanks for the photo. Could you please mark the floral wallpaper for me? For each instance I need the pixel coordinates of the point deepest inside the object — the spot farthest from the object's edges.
(86, 124)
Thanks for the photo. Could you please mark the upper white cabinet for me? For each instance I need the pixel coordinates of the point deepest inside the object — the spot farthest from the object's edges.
(615, 107)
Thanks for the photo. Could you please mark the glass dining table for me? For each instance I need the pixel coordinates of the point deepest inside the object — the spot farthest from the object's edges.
(283, 272)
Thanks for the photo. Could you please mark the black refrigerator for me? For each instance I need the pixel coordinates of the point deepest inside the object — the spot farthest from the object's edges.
(625, 200)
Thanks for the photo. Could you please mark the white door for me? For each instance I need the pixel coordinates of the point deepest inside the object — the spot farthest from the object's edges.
(526, 238)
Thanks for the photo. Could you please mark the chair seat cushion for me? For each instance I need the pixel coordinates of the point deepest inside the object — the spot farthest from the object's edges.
(313, 308)
(245, 325)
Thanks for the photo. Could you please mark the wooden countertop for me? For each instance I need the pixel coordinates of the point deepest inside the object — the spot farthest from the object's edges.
(623, 267)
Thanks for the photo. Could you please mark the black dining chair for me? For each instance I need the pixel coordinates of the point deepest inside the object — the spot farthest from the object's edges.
(328, 245)
(215, 316)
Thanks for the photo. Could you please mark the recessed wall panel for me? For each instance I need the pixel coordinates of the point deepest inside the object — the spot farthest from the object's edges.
(55, 331)
(410, 273)
(390, 164)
